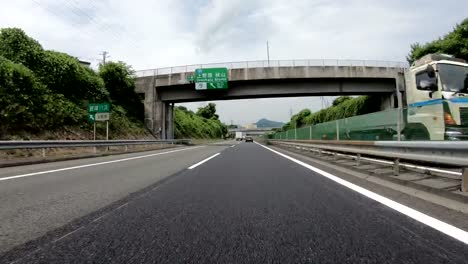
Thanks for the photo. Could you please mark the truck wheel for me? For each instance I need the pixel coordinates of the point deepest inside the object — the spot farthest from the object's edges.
(416, 132)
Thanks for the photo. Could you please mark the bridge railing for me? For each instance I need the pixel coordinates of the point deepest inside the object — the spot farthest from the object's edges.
(272, 63)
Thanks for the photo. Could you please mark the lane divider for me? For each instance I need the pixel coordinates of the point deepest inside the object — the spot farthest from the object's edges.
(203, 161)
(443, 227)
(93, 164)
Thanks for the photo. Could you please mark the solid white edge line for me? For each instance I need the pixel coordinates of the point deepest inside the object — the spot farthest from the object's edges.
(203, 161)
(93, 164)
(443, 227)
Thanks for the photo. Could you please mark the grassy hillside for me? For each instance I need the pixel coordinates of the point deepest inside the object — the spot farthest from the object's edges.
(44, 95)
(192, 125)
(342, 107)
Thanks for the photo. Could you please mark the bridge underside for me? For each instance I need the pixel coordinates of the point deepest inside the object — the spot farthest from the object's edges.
(278, 88)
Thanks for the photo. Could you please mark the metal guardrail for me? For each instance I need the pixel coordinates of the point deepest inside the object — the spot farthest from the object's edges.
(37, 144)
(272, 63)
(444, 152)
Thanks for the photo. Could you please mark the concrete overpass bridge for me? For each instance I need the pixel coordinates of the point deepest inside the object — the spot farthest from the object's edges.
(267, 79)
(251, 131)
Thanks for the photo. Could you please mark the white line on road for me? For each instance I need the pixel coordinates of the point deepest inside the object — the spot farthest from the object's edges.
(58, 239)
(99, 218)
(233, 146)
(93, 164)
(203, 161)
(125, 204)
(443, 227)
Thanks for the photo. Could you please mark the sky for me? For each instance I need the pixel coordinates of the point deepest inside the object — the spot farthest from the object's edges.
(150, 34)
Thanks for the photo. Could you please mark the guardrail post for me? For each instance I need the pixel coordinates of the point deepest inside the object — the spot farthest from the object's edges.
(337, 130)
(396, 167)
(126, 148)
(335, 155)
(43, 154)
(358, 160)
(464, 186)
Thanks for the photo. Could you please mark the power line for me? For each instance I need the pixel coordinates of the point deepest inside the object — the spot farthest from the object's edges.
(100, 23)
(104, 57)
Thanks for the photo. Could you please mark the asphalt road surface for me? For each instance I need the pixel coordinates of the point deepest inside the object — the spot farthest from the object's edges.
(246, 204)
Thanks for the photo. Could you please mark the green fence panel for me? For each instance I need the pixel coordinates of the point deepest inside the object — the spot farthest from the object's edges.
(374, 126)
(324, 131)
(303, 133)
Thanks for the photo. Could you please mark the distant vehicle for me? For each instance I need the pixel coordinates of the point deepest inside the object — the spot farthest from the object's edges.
(240, 136)
(248, 139)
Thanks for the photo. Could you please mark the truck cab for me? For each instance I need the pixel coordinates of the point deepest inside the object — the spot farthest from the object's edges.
(437, 98)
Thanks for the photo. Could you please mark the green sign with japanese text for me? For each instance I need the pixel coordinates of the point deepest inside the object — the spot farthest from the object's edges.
(210, 78)
(98, 112)
(99, 108)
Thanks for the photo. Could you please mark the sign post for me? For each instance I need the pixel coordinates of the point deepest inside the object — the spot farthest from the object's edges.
(210, 79)
(107, 132)
(99, 112)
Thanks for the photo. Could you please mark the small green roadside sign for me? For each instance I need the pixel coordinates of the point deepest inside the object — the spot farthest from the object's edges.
(99, 108)
(91, 117)
(210, 78)
(98, 112)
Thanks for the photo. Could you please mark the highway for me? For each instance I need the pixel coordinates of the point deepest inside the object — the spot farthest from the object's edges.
(226, 203)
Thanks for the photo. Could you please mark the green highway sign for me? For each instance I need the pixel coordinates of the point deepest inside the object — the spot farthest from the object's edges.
(99, 108)
(210, 78)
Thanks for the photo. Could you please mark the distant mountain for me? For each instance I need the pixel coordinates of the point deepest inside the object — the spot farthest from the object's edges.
(268, 123)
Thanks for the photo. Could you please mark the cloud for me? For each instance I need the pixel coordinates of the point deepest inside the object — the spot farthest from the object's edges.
(151, 34)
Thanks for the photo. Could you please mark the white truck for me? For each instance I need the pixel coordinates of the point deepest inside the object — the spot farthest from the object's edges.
(437, 99)
(240, 135)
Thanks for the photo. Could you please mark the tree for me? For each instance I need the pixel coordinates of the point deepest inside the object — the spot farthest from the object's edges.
(29, 105)
(63, 74)
(18, 47)
(299, 119)
(59, 72)
(208, 111)
(341, 100)
(454, 43)
(119, 80)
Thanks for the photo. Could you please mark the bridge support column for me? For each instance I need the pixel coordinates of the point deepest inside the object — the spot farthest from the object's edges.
(159, 120)
(387, 102)
(169, 120)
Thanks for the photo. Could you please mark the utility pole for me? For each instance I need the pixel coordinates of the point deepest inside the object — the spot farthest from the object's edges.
(104, 57)
(268, 53)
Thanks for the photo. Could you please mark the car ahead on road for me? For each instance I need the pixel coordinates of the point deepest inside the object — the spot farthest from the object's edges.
(248, 139)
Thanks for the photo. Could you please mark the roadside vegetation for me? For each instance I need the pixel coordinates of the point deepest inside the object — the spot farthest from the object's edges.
(203, 124)
(44, 95)
(342, 107)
